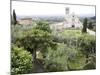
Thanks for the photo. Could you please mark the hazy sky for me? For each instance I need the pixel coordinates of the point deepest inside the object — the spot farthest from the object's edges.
(28, 8)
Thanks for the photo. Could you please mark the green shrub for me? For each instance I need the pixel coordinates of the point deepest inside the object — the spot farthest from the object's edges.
(91, 63)
(78, 48)
(60, 59)
(21, 61)
(43, 25)
(87, 44)
(69, 37)
(56, 60)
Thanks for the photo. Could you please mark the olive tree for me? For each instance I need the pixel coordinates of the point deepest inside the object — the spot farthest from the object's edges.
(39, 38)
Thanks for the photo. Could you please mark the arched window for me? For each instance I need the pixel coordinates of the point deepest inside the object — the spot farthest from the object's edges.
(73, 26)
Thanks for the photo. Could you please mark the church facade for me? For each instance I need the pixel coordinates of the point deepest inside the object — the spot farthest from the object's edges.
(71, 21)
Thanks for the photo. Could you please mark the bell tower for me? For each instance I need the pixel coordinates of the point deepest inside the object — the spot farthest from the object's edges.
(67, 10)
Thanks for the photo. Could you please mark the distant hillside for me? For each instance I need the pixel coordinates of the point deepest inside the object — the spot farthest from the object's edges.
(94, 17)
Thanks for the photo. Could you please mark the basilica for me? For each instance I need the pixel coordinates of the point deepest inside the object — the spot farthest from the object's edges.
(71, 21)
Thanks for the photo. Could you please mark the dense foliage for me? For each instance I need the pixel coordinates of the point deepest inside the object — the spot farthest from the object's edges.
(61, 59)
(37, 39)
(21, 61)
(87, 44)
(54, 51)
(91, 23)
(88, 47)
(73, 52)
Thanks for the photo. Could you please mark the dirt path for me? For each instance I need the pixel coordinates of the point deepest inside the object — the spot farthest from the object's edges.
(91, 32)
(38, 67)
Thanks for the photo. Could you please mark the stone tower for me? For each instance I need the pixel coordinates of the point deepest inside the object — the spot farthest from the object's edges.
(71, 20)
(67, 10)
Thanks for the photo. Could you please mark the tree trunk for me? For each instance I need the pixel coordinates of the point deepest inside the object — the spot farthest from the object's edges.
(34, 58)
(87, 58)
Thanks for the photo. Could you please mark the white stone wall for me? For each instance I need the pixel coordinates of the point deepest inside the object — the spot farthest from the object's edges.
(25, 22)
(69, 21)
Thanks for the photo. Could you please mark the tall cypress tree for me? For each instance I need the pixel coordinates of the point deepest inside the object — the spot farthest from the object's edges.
(14, 18)
(84, 30)
(90, 26)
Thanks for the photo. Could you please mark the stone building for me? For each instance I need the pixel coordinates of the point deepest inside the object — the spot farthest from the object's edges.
(25, 21)
(71, 21)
